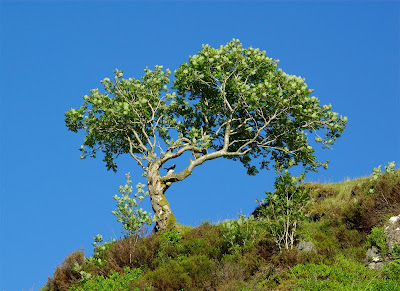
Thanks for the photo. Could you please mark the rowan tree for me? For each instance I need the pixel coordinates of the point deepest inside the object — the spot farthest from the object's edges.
(230, 102)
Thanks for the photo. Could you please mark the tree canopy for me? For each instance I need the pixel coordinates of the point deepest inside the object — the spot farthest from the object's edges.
(230, 102)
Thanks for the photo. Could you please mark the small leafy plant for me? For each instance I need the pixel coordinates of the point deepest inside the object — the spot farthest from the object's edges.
(391, 270)
(377, 238)
(99, 258)
(113, 281)
(127, 213)
(240, 234)
(377, 172)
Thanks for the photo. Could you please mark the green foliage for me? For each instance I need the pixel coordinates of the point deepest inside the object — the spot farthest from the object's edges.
(170, 246)
(283, 209)
(391, 269)
(231, 87)
(221, 257)
(342, 274)
(172, 237)
(377, 238)
(114, 281)
(99, 258)
(206, 239)
(131, 218)
(240, 234)
(265, 101)
(376, 173)
(189, 273)
(242, 107)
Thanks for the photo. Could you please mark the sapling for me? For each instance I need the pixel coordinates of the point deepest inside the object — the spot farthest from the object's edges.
(283, 209)
(129, 215)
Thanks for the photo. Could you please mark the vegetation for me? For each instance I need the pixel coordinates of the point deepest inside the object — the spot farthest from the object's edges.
(283, 209)
(342, 220)
(230, 102)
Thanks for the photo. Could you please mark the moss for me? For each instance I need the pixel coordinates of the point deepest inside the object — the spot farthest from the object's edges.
(171, 221)
(183, 229)
(163, 201)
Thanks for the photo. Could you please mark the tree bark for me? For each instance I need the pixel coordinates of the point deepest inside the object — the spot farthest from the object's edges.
(165, 219)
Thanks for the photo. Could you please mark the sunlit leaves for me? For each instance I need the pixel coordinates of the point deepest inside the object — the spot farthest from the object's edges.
(268, 111)
(244, 85)
(283, 209)
(128, 214)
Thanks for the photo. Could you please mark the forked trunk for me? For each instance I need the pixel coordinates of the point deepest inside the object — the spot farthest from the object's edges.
(165, 219)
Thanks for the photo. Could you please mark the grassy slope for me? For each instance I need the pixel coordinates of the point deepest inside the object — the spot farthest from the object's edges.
(244, 256)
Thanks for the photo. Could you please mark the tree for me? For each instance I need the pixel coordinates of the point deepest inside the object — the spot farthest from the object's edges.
(283, 209)
(227, 102)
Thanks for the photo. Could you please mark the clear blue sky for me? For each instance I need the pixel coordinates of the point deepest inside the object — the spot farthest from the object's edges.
(53, 53)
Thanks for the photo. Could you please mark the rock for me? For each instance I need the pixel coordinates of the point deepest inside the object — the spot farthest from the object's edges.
(375, 266)
(392, 232)
(306, 246)
(374, 258)
(373, 255)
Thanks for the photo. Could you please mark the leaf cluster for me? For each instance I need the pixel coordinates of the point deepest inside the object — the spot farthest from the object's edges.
(231, 100)
(128, 214)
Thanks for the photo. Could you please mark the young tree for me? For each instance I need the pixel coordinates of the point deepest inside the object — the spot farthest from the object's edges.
(283, 209)
(227, 102)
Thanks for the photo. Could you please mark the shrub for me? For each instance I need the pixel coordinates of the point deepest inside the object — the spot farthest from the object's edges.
(376, 173)
(97, 264)
(170, 245)
(377, 238)
(145, 253)
(206, 239)
(240, 234)
(67, 273)
(114, 281)
(189, 273)
(391, 270)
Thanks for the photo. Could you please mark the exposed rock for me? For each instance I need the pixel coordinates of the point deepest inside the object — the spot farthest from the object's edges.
(375, 266)
(374, 259)
(392, 231)
(306, 246)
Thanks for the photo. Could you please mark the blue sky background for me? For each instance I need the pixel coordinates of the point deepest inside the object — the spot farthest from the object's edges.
(53, 53)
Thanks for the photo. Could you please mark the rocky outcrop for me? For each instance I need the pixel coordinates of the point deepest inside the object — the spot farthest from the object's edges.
(374, 259)
(392, 232)
(306, 246)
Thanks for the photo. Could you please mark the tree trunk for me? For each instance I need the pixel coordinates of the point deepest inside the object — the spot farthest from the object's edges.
(165, 219)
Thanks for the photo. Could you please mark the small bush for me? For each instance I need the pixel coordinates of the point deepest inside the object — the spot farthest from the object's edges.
(170, 245)
(189, 273)
(205, 239)
(377, 238)
(145, 253)
(391, 270)
(114, 281)
(241, 234)
(67, 273)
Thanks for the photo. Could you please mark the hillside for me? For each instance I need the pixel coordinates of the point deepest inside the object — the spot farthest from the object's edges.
(343, 221)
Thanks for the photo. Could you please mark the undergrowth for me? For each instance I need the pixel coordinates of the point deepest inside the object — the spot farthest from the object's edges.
(343, 220)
